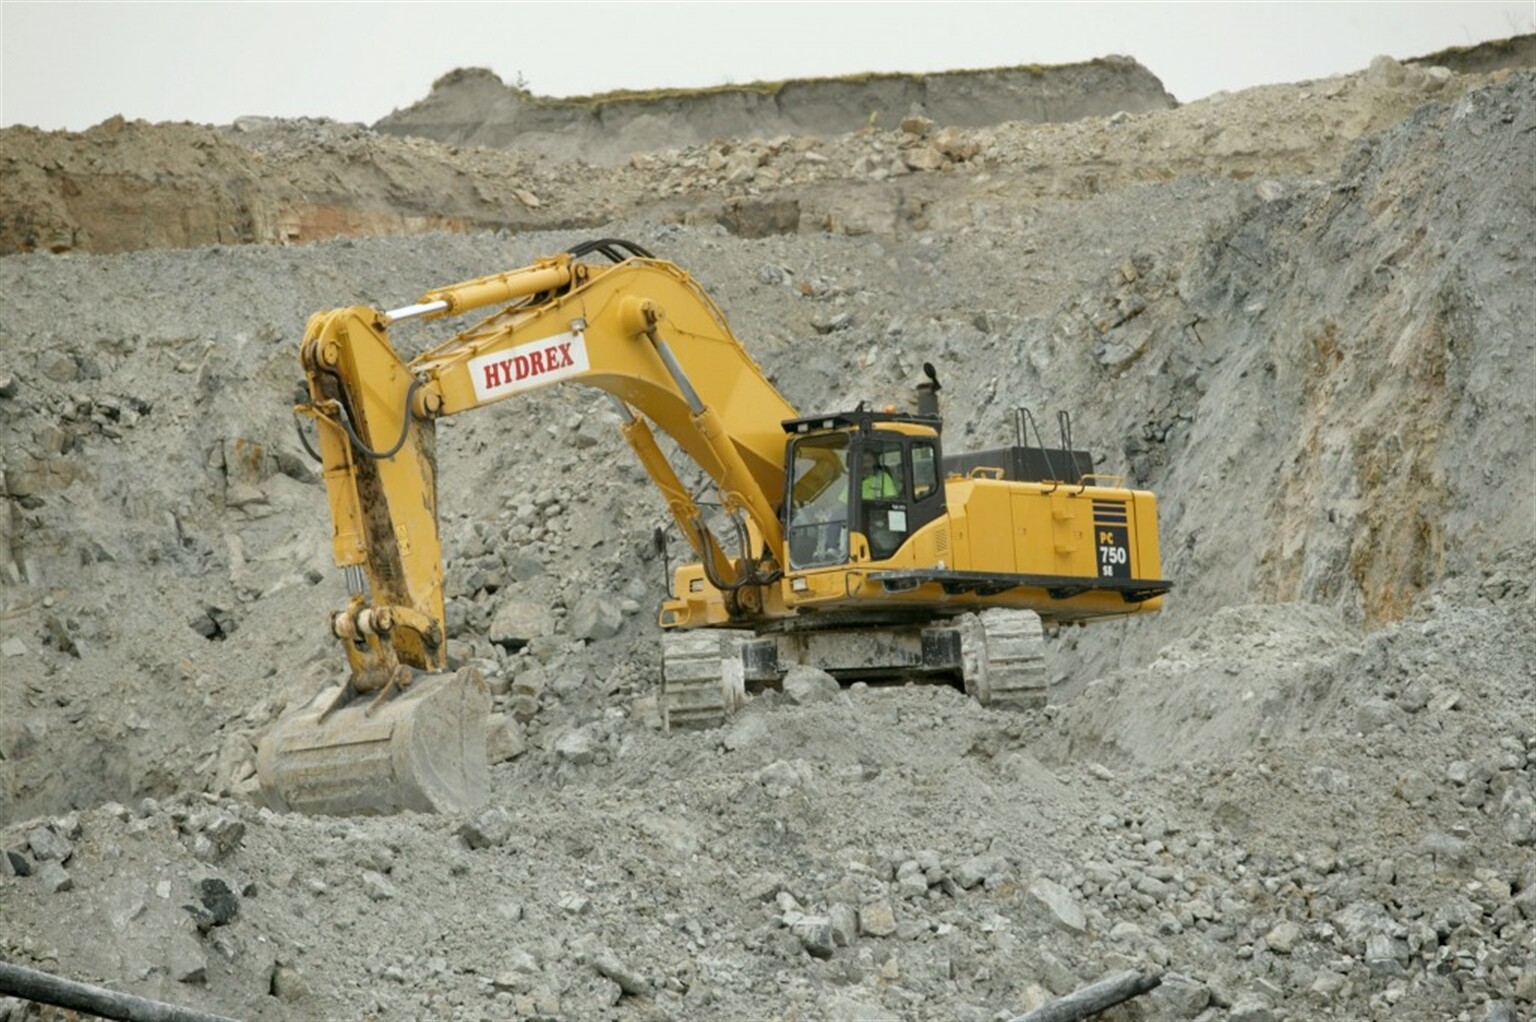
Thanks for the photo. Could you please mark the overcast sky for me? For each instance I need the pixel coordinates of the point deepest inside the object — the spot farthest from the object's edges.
(72, 65)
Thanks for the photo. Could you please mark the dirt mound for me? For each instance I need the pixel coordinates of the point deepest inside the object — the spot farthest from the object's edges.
(1304, 790)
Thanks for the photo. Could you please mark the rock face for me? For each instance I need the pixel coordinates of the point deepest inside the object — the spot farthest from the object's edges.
(474, 107)
(1053, 132)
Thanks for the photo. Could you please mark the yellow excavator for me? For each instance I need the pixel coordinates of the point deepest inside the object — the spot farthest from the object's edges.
(851, 542)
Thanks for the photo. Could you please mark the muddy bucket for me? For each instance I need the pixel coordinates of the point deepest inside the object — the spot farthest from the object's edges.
(421, 751)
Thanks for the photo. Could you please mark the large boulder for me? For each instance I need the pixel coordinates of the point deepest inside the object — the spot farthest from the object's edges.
(519, 622)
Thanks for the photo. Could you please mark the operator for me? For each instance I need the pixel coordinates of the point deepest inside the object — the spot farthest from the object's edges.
(878, 483)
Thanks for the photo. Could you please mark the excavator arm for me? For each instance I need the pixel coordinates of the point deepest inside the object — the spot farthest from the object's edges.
(641, 330)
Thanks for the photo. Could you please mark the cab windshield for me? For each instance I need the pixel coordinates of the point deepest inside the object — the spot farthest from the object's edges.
(818, 502)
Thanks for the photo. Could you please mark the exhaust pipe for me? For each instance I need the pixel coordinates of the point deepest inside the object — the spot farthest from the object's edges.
(928, 392)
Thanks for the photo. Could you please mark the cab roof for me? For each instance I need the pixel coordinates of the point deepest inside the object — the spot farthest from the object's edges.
(864, 421)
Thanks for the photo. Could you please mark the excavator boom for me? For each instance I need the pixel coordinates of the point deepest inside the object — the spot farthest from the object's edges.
(641, 330)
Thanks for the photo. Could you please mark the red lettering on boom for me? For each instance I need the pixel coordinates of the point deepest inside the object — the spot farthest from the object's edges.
(516, 368)
(498, 374)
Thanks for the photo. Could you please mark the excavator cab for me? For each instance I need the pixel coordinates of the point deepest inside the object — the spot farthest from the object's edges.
(864, 474)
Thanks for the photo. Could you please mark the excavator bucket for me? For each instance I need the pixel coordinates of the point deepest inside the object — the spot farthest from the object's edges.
(422, 750)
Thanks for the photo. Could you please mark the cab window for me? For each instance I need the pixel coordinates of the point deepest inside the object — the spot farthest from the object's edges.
(925, 470)
(818, 502)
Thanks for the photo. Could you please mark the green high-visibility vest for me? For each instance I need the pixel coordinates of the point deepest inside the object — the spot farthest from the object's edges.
(879, 486)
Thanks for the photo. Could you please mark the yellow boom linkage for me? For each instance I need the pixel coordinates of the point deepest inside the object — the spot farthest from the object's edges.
(374, 414)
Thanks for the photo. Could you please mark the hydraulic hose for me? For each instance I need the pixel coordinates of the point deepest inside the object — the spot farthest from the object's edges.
(357, 441)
